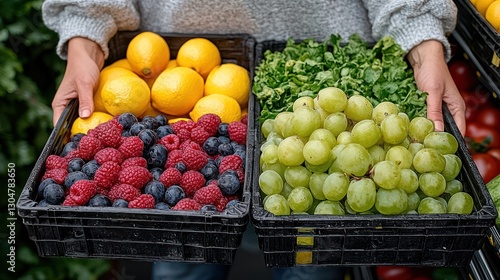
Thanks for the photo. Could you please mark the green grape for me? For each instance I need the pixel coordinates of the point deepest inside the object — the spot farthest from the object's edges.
(411, 212)
(460, 203)
(393, 129)
(277, 167)
(400, 155)
(386, 174)
(313, 207)
(366, 133)
(277, 205)
(443, 201)
(332, 99)
(306, 101)
(345, 137)
(325, 135)
(413, 201)
(270, 182)
(361, 194)
(322, 167)
(316, 185)
(377, 153)
(334, 167)
(328, 207)
(304, 121)
(280, 121)
(382, 110)
(267, 127)
(290, 151)
(269, 153)
(348, 208)
(430, 205)
(335, 186)
(336, 123)
(432, 184)
(316, 152)
(419, 127)
(414, 147)
(405, 117)
(428, 160)
(391, 202)
(442, 141)
(300, 199)
(453, 186)
(273, 137)
(286, 190)
(297, 176)
(452, 167)
(409, 180)
(358, 108)
(405, 143)
(354, 159)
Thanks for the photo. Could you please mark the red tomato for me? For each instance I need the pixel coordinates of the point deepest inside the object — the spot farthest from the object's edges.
(495, 153)
(488, 166)
(475, 101)
(479, 132)
(463, 73)
(394, 273)
(489, 116)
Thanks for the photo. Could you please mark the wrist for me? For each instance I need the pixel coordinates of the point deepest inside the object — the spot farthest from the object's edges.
(426, 51)
(79, 46)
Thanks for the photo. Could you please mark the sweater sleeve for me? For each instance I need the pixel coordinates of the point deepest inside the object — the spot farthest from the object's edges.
(411, 22)
(97, 20)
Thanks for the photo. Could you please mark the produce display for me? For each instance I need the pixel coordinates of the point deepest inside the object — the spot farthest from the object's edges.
(490, 10)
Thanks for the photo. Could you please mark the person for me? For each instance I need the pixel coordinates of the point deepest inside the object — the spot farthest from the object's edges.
(419, 26)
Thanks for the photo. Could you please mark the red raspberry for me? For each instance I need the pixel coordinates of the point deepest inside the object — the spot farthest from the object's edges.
(171, 176)
(110, 133)
(232, 197)
(183, 135)
(58, 175)
(194, 159)
(88, 147)
(68, 201)
(230, 162)
(199, 135)
(143, 201)
(192, 181)
(131, 147)
(108, 154)
(241, 174)
(187, 204)
(55, 162)
(134, 161)
(183, 124)
(173, 158)
(221, 205)
(171, 142)
(82, 190)
(244, 120)
(102, 191)
(75, 153)
(123, 191)
(136, 176)
(237, 132)
(209, 122)
(210, 194)
(107, 174)
(190, 144)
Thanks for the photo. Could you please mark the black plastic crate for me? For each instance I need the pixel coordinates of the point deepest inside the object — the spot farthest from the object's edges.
(140, 234)
(481, 41)
(351, 240)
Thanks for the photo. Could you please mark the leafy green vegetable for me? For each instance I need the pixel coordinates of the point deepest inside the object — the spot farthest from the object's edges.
(379, 73)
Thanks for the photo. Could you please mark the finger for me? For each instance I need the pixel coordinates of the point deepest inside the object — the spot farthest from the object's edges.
(86, 99)
(434, 111)
(59, 103)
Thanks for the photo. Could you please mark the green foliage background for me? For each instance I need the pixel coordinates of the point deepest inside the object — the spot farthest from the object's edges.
(30, 71)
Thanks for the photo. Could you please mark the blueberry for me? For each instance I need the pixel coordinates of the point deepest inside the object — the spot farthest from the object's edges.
(224, 139)
(242, 153)
(99, 200)
(181, 167)
(70, 146)
(222, 129)
(156, 189)
(211, 145)
(164, 130)
(210, 171)
(225, 149)
(231, 205)
(90, 168)
(150, 122)
(44, 184)
(161, 119)
(148, 137)
(212, 161)
(74, 176)
(173, 194)
(162, 206)
(136, 128)
(126, 133)
(229, 183)
(208, 207)
(77, 137)
(157, 156)
(156, 172)
(127, 120)
(218, 160)
(122, 203)
(43, 203)
(75, 164)
(53, 194)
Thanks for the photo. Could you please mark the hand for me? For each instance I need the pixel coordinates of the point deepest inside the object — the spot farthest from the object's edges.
(432, 76)
(85, 59)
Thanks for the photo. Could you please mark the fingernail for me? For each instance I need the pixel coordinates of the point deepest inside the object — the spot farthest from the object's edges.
(85, 113)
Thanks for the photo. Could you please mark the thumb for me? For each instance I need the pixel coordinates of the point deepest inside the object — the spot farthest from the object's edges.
(435, 111)
(85, 99)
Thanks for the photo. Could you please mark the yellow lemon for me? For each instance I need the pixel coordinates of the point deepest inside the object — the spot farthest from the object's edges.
(482, 5)
(493, 15)
(172, 63)
(126, 94)
(229, 79)
(109, 72)
(176, 90)
(227, 108)
(121, 63)
(81, 125)
(199, 54)
(174, 120)
(148, 54)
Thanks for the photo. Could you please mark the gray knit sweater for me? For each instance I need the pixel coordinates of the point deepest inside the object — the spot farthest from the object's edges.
(408, 21)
